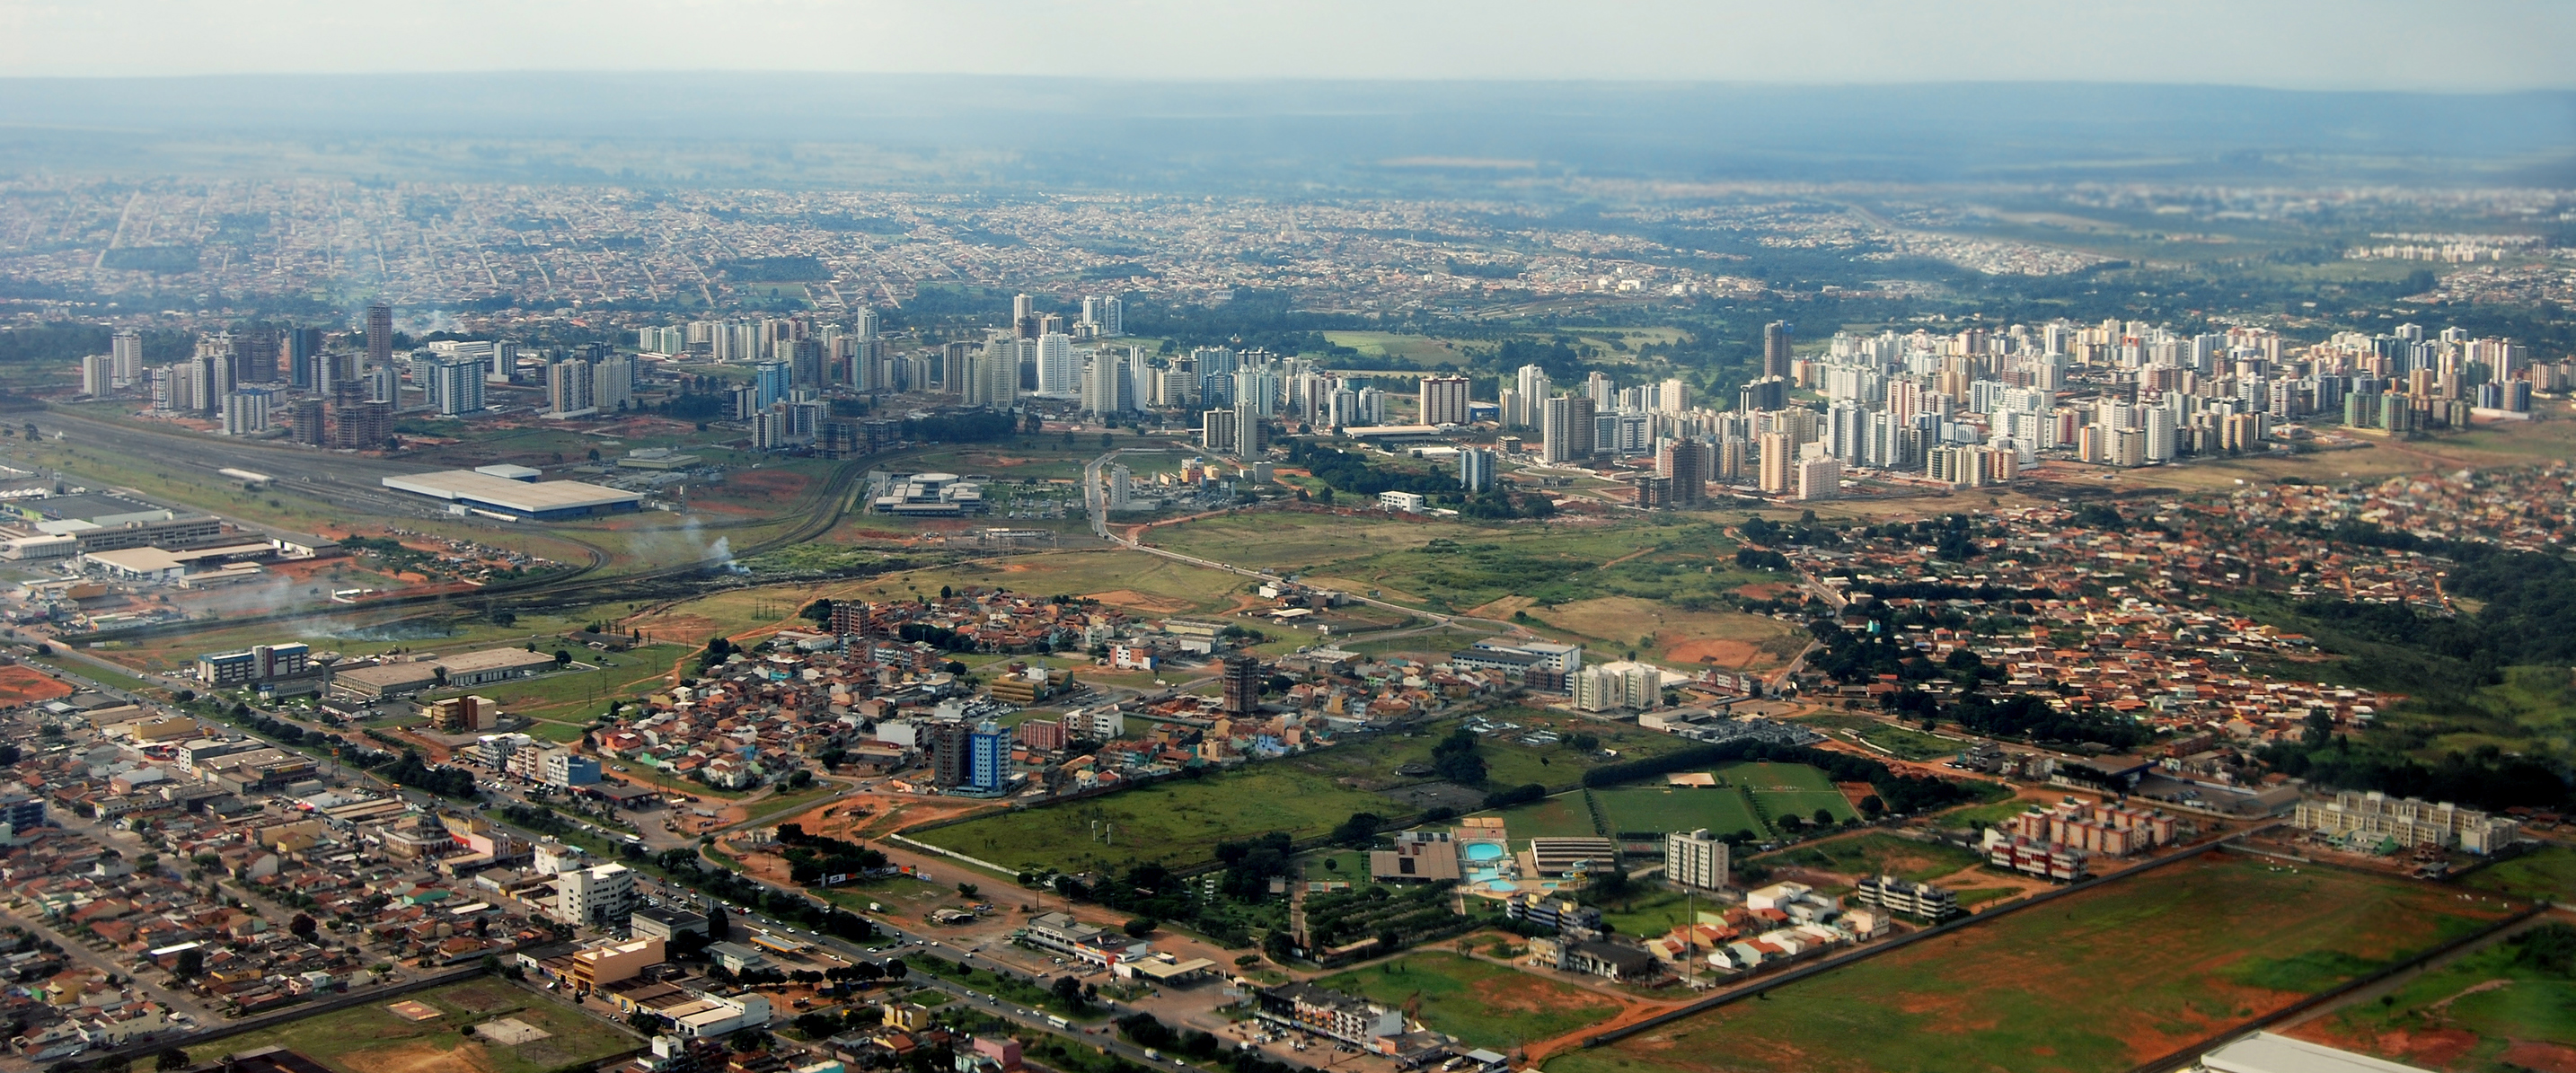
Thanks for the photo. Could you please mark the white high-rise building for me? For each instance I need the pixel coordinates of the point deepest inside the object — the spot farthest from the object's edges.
(1107, 392)
(595, 897)
(568, 387)
(1694, 859)
(1059, 368)
(245, 413)
(454, 386)
(127, 350)
(98, 375)
(612, 383)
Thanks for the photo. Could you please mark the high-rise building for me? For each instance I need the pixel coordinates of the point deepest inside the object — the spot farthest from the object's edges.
(304, 422)
(1775, 348)
(380, 335)
(1024, 317)
(127, 349)
(612, 383)
(298, 349)
(1779, 461)
(246, 412)
(1569, 428)
(1251, 431)
(773, 380)
(988, 761)
(1475, 469)
(455, 386)
(1107, 391)
(1444, 400)
(1059, 369)
(1820, 478)
(1242, 681)
(98, 375)
(1695, 860)
(947, 745)
(568, 387)
(1685, 463)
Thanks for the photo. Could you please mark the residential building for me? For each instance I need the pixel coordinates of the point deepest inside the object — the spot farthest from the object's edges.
(2355, 816)
(1553, 913)
(600, 896)
(1355, 1021)
(1695, 860)
(1901, 896)
(1444, 400)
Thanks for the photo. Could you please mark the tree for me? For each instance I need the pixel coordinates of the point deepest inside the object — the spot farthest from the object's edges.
(1067, 989)
(1824, 817)
(1359, 830)
(302, 926)
(1138, 928)
(563, 658)
(172, 1058)
(1872, 807)
(718, 928)
(192, 961)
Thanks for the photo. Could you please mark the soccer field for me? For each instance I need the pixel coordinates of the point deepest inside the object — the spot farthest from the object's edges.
(1657, 809)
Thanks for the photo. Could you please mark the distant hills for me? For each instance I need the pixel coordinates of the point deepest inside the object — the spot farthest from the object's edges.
(1280, 136)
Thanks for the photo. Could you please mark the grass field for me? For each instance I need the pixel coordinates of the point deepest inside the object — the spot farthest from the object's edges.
(2100, 981)
(371, 1039)
(2488, 1010)
(1905, 743)
(1788, 790)
(1562, 816)
(2548, 873)
(1178, 821)
(1874, 853)
(1989, 814)
(1658, 809)
(1481, 1003)
(1685, 568)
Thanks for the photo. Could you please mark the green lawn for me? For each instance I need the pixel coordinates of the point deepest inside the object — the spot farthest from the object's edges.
(1481, 1003)
(1562, 816)
(1658, 809)
(1988, 814)
(2500, 1001)
(2101, 981)
(1651, 914)
(2546, 873)
(1905, 743)
(1455, 566)
(371, 1039)
(1177, 821)
(1780, 790)
(1874, 853)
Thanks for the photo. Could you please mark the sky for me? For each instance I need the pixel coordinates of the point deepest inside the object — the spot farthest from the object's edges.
(2449, 46)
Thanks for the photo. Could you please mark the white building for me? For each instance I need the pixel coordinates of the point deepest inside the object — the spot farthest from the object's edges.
(1696, 860)
(597, 896)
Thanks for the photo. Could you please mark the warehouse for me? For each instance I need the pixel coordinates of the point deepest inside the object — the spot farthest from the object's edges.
(515, 500)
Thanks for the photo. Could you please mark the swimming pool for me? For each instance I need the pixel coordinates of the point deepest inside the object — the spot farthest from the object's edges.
(1484, 851)
(1504, 886)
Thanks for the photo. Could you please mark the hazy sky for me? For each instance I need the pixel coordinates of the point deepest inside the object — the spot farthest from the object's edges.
(2447, 45)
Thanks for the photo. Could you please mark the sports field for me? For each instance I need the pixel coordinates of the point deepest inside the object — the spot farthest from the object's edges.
(1562, 816)
(2100, 981)
(1484, 1004)
(1658, 809)
(1788, 790)
(373, 1039)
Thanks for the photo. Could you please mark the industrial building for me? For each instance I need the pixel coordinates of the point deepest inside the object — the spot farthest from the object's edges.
(512, 493)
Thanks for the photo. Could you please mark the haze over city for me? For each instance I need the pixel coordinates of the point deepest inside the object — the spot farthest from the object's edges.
(1095, 537)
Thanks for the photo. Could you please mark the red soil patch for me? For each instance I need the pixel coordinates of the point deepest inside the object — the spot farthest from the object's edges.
(2545, 1057)
(27, 685)
(1712, 651)
(1768, 590)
